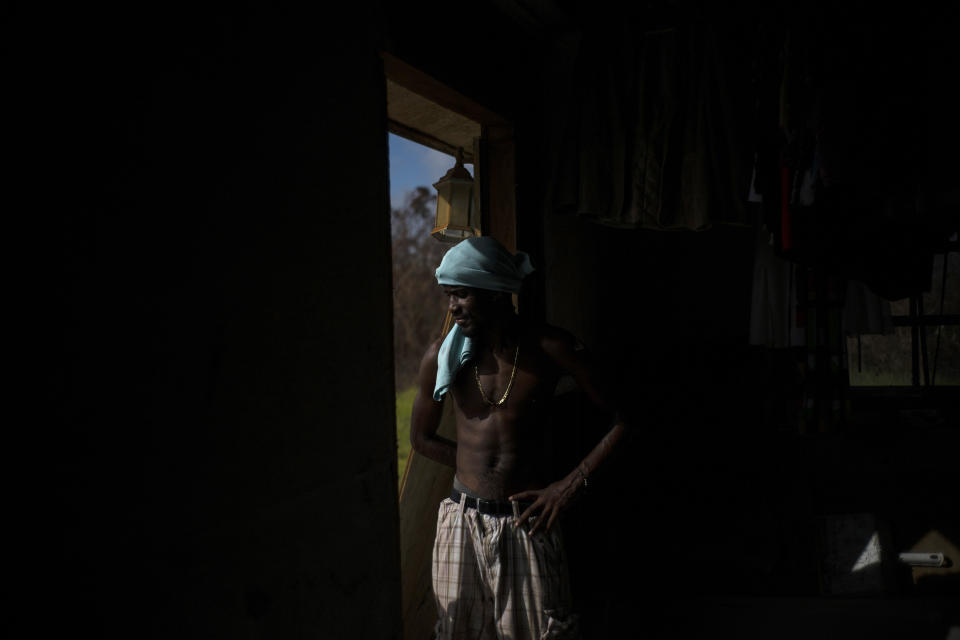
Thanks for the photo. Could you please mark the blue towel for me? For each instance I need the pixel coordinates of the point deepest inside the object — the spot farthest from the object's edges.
(480, 263)
(455, 351)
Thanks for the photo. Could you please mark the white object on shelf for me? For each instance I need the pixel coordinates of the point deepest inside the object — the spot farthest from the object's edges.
(922, 558)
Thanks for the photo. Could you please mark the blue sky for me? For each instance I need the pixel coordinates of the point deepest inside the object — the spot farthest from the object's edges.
(413, 165)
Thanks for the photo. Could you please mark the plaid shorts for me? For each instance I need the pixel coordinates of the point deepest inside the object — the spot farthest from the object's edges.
(493, 581)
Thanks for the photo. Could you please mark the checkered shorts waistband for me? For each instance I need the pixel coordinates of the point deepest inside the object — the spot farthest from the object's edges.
(489, 507)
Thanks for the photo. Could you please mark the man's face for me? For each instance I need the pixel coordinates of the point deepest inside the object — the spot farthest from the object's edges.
(471, 308)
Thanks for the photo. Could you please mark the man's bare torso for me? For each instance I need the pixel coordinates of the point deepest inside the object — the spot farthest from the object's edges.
(499, 448)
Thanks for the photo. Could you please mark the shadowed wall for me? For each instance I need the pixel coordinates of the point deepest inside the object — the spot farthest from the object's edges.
(215, 444)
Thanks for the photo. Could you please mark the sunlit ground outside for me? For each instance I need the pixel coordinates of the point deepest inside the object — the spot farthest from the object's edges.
(886, 360)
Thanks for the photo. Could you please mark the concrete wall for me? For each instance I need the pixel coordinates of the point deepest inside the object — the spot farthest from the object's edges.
(213, 452)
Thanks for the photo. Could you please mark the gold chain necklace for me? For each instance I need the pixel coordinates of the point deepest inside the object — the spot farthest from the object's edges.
(513, 374)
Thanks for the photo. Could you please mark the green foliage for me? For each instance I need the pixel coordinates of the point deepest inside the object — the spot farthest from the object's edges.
(404, 407)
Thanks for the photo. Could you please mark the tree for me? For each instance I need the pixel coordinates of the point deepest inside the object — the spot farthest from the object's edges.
(418, 306)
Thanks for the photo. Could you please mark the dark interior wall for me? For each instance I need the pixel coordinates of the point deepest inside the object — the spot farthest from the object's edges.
(713, 498)
(212, 453)
(665, 307)
(703, 478)
(474, 50)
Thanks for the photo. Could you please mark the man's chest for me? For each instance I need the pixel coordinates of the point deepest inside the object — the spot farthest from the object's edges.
(521, 389)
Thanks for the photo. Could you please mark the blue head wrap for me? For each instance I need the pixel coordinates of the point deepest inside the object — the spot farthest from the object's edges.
(481, 263)
(484, 263)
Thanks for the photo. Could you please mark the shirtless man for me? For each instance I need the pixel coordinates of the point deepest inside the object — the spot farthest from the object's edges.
(499, 569)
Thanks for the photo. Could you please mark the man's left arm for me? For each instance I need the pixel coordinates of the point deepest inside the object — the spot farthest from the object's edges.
(573, 359)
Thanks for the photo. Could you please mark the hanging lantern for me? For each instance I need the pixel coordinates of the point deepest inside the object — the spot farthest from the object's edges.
(456, 218)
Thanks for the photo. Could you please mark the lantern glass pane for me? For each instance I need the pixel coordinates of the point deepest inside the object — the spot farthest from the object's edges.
(461, 205)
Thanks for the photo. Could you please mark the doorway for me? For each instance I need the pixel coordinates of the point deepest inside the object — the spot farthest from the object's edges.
(423, 110)
(418, 307)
